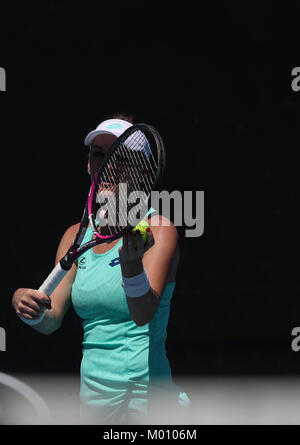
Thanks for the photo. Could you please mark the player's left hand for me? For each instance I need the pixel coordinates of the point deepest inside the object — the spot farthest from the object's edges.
(132, 252)
(134, 247)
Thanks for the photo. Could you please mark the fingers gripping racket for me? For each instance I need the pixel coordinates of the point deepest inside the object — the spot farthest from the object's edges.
(133, 166)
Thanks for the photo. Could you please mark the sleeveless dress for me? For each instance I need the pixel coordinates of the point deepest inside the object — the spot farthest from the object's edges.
(123, 365)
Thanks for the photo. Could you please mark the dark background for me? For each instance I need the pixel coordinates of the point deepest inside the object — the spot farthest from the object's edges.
(216, 81)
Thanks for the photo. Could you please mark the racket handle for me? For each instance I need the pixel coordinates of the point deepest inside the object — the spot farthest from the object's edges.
(53, 280)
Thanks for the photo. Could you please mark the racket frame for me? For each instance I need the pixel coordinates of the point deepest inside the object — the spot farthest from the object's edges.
(77, 249)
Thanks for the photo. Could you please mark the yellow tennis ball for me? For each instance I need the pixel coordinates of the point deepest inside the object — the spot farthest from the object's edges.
(142, 227)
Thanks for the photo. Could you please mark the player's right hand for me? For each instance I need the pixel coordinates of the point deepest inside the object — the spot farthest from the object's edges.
(30, 303)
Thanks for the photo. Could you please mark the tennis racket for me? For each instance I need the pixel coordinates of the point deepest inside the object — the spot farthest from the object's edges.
(132, 168)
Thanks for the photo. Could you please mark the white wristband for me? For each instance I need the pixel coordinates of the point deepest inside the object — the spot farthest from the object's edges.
(136, 286)
(33, 322)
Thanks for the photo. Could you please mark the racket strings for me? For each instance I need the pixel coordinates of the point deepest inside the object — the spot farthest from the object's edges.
(140, 160)
(140, 169)
(133, 163)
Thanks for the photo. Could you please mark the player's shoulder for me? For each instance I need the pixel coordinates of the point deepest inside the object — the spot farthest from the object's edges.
(67, 240)
(70, 233)
(161, 225)
(73, 229)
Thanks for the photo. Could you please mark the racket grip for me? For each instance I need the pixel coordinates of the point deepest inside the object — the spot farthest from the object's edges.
(53, 280)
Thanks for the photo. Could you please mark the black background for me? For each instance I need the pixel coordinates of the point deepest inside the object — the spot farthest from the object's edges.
(216, 81)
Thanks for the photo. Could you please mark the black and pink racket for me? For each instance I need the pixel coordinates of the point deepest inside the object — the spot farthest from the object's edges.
(122, 183)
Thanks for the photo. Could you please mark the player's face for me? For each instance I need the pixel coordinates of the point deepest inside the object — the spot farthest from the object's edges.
(104, 141)
(100, 146)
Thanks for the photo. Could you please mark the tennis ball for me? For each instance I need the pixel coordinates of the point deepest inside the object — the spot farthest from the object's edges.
(142, 227)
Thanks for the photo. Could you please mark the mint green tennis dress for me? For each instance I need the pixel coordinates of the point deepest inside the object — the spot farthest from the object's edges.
(123, 365)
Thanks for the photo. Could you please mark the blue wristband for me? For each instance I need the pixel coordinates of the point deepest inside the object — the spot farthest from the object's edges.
(136, 286)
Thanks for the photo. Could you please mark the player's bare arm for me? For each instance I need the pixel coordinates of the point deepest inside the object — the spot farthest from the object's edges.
(30, 303)
(159, 261)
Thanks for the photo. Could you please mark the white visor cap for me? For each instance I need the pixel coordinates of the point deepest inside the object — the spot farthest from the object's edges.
(111, 126)
(116, 127)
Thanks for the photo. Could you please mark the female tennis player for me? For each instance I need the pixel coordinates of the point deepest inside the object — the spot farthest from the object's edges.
(122, 290)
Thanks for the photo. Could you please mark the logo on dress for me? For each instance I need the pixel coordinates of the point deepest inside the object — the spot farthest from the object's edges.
(81, 263)
(114, 262)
